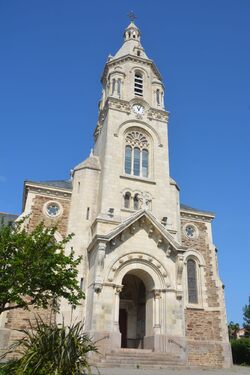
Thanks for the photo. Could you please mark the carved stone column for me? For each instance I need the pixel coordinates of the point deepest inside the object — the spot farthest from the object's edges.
(179, 271)
(118, 289)
(157, 325)
(101, 252)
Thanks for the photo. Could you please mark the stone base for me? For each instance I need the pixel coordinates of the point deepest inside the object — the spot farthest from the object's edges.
(209, 354)
(167, 344)
(106, 341)
(4, 339)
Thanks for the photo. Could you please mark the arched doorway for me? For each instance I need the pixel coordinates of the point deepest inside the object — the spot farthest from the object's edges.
(134, 305)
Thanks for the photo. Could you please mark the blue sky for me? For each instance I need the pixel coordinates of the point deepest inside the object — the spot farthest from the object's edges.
(52, 54)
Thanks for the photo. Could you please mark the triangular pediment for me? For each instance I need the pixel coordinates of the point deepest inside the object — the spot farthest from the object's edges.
(143, 219)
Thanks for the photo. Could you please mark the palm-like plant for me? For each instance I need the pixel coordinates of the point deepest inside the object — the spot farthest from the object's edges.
(49, 349)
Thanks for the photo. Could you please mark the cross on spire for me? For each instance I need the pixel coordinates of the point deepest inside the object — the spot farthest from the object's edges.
(132, 16)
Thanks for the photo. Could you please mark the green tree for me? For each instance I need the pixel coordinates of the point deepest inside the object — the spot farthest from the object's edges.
(34, 269)
(246, 318)
(233, 329)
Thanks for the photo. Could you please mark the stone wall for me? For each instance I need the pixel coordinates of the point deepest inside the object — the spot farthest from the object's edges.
(201, 243)
(202, 325)
(19, 319)
(37, 213)
(207, 344)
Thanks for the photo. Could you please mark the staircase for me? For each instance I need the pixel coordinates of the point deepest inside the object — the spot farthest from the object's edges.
(140, 358)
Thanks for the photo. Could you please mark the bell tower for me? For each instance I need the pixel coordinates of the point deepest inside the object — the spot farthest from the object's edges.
(131, 137)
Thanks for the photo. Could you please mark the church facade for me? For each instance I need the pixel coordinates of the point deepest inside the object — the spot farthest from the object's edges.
(149, 268)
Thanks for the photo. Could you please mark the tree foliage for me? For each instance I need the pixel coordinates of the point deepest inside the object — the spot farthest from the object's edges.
(246, 318)
(241, 351)
(34, 269)
(233, 329)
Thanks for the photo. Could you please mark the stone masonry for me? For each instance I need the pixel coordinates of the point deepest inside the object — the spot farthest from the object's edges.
(149, 266)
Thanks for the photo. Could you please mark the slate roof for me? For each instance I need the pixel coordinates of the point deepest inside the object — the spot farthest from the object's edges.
(63, 184)
(7, 219)
(184, 207)
(92, 162)
(67, 184)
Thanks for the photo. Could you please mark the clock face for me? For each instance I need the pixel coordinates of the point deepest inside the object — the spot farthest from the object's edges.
(138, 109)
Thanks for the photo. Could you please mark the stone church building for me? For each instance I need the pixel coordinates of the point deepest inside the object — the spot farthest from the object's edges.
(149, 269)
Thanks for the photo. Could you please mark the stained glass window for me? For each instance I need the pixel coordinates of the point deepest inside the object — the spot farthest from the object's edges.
(136, 154)
(144, 163)
(190, 231)
(128, 161)
(137, 162)
(192, 281)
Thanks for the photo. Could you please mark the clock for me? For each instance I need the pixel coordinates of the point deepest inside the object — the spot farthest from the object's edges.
(138, 109)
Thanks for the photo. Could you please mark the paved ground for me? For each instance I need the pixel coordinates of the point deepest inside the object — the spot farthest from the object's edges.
(235, 370)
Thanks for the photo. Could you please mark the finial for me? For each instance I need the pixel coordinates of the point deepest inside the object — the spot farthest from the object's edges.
(91, 152)
(132, 16)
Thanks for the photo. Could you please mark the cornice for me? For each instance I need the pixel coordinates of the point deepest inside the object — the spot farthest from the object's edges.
(196, 216)
(47, 190)
(125, 106)
(132, 58)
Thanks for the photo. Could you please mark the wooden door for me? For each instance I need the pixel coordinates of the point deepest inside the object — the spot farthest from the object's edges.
(123, 318)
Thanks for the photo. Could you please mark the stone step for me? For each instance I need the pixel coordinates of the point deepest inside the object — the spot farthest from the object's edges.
(132, 350)
(139, 359)
(138, 365)
(142, 363)
(163, 356)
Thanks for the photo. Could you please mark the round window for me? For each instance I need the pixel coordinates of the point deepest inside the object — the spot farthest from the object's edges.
(53, 209)
(190, 231)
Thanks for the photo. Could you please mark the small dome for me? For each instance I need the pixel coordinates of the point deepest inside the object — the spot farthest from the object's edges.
(91, 163)
(132, 25)
(132, 32)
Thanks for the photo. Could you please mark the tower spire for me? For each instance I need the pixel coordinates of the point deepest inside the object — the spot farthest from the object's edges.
(132, 16)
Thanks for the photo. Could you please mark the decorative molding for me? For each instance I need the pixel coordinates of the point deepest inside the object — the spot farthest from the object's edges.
(49, 192)
(135, 178)
(158, 115)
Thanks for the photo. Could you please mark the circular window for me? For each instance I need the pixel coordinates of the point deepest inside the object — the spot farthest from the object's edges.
(190, 231)
(52, 209)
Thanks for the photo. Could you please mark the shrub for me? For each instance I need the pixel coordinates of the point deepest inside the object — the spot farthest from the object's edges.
(241, 351)
(51, 349)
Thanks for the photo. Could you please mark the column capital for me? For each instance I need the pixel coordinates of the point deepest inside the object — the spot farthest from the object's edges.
(102, 246)
(157, 293)
(118, 289)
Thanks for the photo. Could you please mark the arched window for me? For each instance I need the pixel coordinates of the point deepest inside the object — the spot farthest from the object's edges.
(158, 97)
(128, 159)
(119, 83)
(136, 154)
(113, 86)
(192, 281)
(144, 163)
(138, 84)
(127, 197)
(136, 202)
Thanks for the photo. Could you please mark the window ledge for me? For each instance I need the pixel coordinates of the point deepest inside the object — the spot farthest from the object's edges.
(137, 178)
(128, 210)
(192, 306)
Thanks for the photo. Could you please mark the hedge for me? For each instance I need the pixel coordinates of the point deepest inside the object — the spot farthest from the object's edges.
(241, 351)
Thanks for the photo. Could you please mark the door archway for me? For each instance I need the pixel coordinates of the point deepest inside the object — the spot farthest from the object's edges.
(136, 308)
